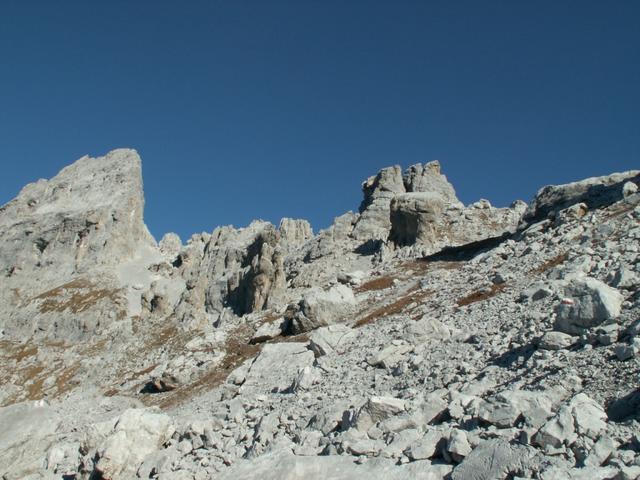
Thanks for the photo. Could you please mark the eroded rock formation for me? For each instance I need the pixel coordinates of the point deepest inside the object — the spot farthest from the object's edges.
(417, 338)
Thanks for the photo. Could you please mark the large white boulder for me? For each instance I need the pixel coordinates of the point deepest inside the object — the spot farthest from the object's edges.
(136, 434)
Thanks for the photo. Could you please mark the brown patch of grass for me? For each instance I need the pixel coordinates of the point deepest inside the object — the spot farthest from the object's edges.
(34, 375)
(481, 295)
(301, 337)
(380, 283)
(140, 373)
(423, 266)
(549, 264)
(77, 296)
(18, 352)
(64, 379)
(393, 308)
(238, 350)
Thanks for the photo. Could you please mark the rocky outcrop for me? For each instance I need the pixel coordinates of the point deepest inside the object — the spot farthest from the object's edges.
(89, 215)
(294, 232)
(136, 434)
(424, 220)
(419, 207)
(390, 183)
(374, 210)
(58, 236)
(595, 192)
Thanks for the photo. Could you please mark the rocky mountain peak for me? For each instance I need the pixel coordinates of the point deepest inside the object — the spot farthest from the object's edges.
(416, 338)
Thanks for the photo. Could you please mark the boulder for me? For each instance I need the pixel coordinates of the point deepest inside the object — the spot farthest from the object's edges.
(319, 308)
(555, 341)
(427, 328)
(589, 417)
(330, 340)
(377, 409)
(588, 303)
(276, 367)
(136, 434)
(626, 352)
(494, 459)
(269, 330)
(557, 432)
(427, 446)
(458, 445)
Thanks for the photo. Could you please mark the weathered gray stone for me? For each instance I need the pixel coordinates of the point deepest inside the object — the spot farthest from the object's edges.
(283, 466)
(494, 459)
(595, 192)
(416, 217)
(458, 445)
(329, 340)
(427, 446)
(555, 341)
(589, 303)
(27, 432)
(319, 308)
(136, 434)
(558, 431)
(377, 409)
(589, 417)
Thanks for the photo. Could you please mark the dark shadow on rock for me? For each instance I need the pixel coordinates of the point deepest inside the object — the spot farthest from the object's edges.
(151, 388)
(467, 251)
(625, 408)
(510, 358)
(370, 247)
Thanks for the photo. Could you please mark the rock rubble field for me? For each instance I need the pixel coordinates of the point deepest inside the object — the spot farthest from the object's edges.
(418, 338)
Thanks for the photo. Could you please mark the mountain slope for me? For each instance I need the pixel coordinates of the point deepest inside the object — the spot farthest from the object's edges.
(413, 339)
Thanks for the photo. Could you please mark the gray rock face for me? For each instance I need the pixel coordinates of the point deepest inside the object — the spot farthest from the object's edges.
(137, 434)
(428, 178)
(280, 465)
(391, 185)
(319, 308)
(423, 219)
(87, 216)
(83, 224)
(378, 191)
(294, 233)
(415, 217)
(589, 303)
(27, 432)
(595, 192)
(421, 207)
(242, 270)
(495, 459)
(555, 341)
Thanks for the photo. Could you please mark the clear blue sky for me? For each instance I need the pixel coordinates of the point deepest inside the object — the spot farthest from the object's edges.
(264, 109)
